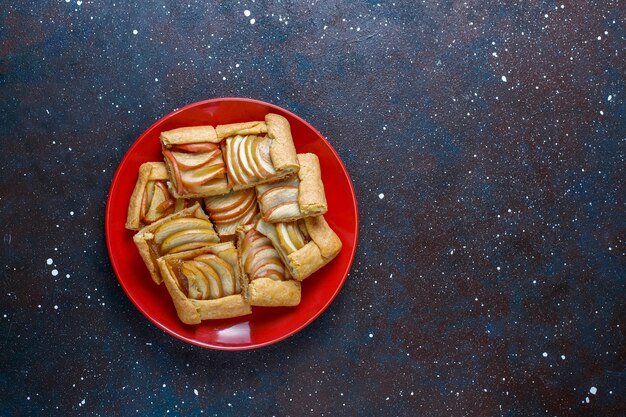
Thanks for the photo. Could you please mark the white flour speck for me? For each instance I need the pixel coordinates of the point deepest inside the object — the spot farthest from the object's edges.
(49, 261)
(381, 196)
(593, 390)
(587, 400)
(601, 112)
(71, 213)
(135, 31)
(56, 307)
(55, 272)
(610, 97)
(67, 275)
(246, 13)
(79, 2)
(563, 357)
(371, 335)
(494, 54)
(545, 354)
(503, 78)
(195, 391)
(252, 21)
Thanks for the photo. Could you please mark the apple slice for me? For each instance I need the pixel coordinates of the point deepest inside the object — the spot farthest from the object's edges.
(243, 158)
(235, 212)
(173, 226)
(197, 177)
(222, 203)
(296, 235)
(146, 199)
(303, 229)
(237, 166)
(188, 246)
(180, 189)
(194, 160)
(215, 283)
(198, 288)
(262, 257)
(263, 157)
(159, 197)
(282, 211)
(250, 156)
(196, 147)
(274, 271)
(223, 270)
(230, 161)
(285, 239)
(187, 236)
(279, 195)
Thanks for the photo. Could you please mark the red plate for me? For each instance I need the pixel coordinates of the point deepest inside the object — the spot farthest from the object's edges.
(265, 325)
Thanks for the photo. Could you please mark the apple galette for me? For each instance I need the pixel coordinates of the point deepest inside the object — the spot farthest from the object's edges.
(298, 196)
(151, 199)
(304, 246)
(205, 283)
(258, 152)
(232, 210)
(194, 162)
(185, 230)
(267, 281)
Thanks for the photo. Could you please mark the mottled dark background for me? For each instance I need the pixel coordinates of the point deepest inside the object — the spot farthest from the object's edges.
(485, 141)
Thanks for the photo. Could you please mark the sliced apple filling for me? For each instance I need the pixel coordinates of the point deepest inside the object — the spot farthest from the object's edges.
(279, 200)
(232, 210)
(248, 159)
(206, 277)
(197, 168)
(182, 234)
(259, 259)
(156, 202)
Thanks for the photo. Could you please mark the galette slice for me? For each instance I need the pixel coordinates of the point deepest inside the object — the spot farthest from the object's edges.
(267, 281)
(296, 197)
(205, 283)
(258, 152)
(151, 199)
(194, 162)
(185, 230)
(229, 211)
(305, 245)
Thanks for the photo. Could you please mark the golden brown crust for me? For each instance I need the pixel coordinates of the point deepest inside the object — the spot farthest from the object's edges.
(147, 171)
(146, 234)
(323, 247)
(266, 291)
(191, 134)
(323, 236)
(282, 148)
(192, 311)
(270, 293)
(243, 129)
(311, 196)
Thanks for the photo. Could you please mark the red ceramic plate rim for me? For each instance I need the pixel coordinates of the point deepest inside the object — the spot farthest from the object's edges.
(131, 296)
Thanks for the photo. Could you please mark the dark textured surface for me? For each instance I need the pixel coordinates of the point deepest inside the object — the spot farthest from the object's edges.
(485, 141)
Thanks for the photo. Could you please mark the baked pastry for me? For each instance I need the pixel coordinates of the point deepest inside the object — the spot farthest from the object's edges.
(151, 199)
(267, 281)
(295, 197)
(227, 212)
(304, 246)
(258, 152)
(185, 230)
(205, 283)
(194, 162)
